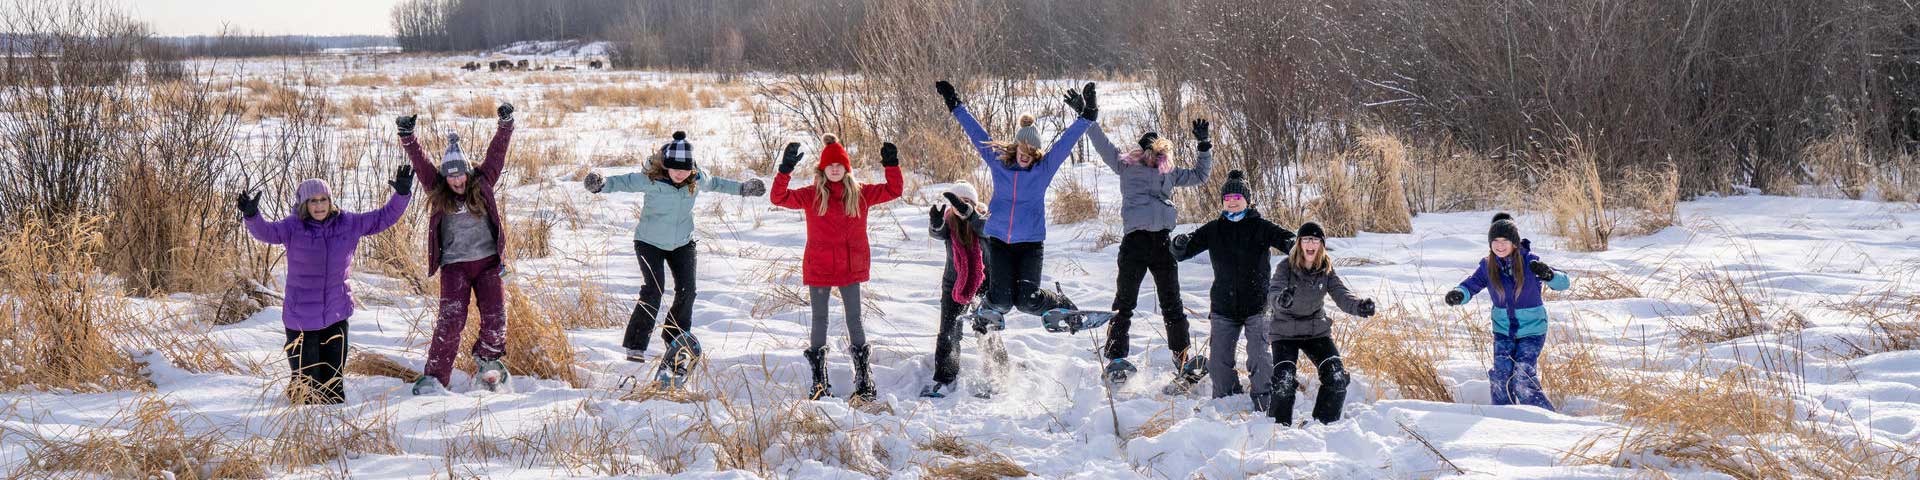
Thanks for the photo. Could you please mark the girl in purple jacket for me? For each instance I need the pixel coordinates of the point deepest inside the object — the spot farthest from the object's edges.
(320, 240)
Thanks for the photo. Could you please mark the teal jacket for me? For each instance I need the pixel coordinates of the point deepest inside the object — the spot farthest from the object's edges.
(1521, 313)
(666, 220)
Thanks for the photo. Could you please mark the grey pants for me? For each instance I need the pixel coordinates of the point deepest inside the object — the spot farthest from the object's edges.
(850, 298)
(1220, 337)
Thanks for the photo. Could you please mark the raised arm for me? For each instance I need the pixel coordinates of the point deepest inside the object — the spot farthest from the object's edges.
(781, 196)
(497, 149)
(978, 135)
(1475, 283)
(1063, 148)
(1187, 177)
(377, 221)
(1104, 147)
(423, 169)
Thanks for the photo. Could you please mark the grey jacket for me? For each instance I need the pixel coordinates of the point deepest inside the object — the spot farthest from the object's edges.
(1146, 195)
(1307, 318)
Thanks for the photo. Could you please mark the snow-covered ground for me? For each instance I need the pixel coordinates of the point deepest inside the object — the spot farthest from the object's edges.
(1811, 256)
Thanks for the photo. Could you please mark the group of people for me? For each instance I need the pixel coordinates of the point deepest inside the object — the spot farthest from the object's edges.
(994, 257)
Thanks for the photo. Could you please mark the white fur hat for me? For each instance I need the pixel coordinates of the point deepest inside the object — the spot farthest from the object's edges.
(964, 190)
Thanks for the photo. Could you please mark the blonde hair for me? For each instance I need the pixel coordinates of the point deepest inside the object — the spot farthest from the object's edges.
(852, 190)
(1321, 263)
(1008, 151)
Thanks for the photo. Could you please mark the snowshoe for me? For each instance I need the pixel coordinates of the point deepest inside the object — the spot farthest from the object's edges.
(1073, 321)
(636, 356)
(682, 357)
(491, 374)
(1192, 371)
(936, 390)
(1118, 371)
(986, 319)
(426, 385)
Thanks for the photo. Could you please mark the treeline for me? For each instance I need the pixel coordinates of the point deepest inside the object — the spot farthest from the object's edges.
(241, 44)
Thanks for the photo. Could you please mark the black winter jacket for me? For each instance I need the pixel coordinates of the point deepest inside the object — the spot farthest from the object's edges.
(1240, 259)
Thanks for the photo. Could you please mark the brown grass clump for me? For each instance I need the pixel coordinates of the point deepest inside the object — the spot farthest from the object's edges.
(536, 345)
(532, 237)
(1597, 285)
(947, 444)
(424, 79)
(316, 435)
(1738, 309)
(1073, 202)
(1341, 207)
(1575, 198)
(990, 467)
(1397, 349)
(377, 365)
(1387, 210)
(621, 96)
(1445, 177)
(54, 317)
(478, 106)
(1841, 161)
(143, 440)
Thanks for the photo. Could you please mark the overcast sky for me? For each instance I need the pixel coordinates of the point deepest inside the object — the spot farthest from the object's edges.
(271, 17)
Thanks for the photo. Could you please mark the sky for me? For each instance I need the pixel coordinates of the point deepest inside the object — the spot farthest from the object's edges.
(270, 17)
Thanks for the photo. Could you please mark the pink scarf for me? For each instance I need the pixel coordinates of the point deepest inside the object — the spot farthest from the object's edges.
(969, 271)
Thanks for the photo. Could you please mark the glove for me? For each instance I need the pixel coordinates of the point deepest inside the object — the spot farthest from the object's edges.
(753, 188)
(594, 182)
(1180, 242)
(889, 155)
(1201, 133)
(402, 180)
(1092, 110)
(947, 94)
(249, 205)
(406, 124)
(1286, 298)
(1540, 269)
(1365, 308)
(506, 112)
(1075, 101)
(960, 206)
(1454, 297)
(791, 157)
(935, 216)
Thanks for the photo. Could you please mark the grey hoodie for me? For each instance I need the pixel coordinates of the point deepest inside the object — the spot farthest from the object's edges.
(1146, 195)
(1307, 318)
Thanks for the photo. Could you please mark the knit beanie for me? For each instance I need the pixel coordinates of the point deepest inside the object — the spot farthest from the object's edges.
(833, 154)
(1311, 229)
(310, 189)
(964, 190)
(1236, 185)
(678, 154)
(453, 163)
(1027, 134)
(1503, 227)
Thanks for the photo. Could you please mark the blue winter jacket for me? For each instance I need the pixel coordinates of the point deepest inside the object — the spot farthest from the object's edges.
(1516, 314)
(1019, 202)
(666, 220)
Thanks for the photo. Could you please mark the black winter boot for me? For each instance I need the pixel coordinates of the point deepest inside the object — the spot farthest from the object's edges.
(862, 381)
(817, 357)
(1285, 386)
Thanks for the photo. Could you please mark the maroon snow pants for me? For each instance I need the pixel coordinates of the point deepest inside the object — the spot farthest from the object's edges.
(480, 281)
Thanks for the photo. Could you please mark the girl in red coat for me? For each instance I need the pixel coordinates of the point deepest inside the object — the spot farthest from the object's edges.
(837, 253)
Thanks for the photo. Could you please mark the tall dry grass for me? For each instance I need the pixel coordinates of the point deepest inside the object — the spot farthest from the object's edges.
(54, 316)
(145, 440)
(1073, 201)
(1387, 207)
(536, 343)
(1398, 350)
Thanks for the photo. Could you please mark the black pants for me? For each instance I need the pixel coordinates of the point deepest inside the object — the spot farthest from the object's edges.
(1142, 252)
(1333, 378)
(680, 319)
(946, 349)
(316, 358)
(1014, 269)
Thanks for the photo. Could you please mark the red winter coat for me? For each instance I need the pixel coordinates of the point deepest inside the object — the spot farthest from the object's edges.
(837, 251)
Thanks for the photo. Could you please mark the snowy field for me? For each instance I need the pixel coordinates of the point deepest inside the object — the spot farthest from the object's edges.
(1817, 272)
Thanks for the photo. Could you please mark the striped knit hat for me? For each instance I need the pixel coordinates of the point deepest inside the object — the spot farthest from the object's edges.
(678, 154)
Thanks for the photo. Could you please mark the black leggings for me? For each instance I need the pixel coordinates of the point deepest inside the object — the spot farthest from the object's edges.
(1142, 252)
(316, 358)
(946, 349)
(680, 319)
(1333, 378)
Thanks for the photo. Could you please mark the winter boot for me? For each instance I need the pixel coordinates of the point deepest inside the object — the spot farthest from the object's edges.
(1286, 384)
(426, 385)
(1192, 370)
(1333, 391)
(636, 356)
(1260, 401)
(682, 357)
(817, 357)
(862, 378)
(1118, 371)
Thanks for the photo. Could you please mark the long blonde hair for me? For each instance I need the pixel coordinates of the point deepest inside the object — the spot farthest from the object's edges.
(851, 193)
(1321, 263)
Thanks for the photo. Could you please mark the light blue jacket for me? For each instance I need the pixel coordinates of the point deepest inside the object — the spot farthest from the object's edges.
(666, 220)
(1521, 313)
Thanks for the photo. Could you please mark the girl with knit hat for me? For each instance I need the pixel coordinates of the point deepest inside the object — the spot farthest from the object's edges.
(1147, 180)
(1513, 276)
(837, 253)
(1239, 244)
(465, 238)
(1017, 235)
(320, 240)
(664, 236)
(1298, 323)
(958, 223)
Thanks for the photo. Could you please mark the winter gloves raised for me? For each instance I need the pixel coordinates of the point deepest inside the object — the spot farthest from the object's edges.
(406, 122)
(402, 180)
(947, 94)
(753, 187)
(792, 157)
(506, 112)
(889, 155)
(594, 182)
(249, 204)
(1083, 102)
(960, 206)
(1201, 133)
(1456, 297)
(1540, 269)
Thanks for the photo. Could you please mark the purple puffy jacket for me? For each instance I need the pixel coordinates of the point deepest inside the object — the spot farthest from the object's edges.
(318, 254)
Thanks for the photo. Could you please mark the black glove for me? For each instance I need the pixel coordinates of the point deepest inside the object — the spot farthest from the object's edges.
(1180, 242)
(791, 157)
(402, 180)
(249, 205)
(1454, 297)
(1286, 298)
(506, 112)
(1364, 309)
(406, 124)
(1092, 109)
(1075, 101)
(960, 206)
(1202, 134)
(936, 216)
(753, 187)
(1540, 269)
(594, 182)
(889, 155)
(947, 94)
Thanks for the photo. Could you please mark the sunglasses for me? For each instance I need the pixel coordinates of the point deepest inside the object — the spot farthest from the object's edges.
(1233, 196)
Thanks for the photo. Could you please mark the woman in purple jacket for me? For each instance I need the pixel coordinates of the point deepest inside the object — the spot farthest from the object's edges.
(320, 240)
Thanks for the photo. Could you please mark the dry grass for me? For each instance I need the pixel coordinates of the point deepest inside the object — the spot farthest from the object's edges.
(1387, 210)
(1575, 199)
(989, 467)
(1073, 202)
(1737, 309)
(1445, 177)
(1841, 162)
(536, 345)
(377, 365)
(316, 435)
(1398, 350)
(574, 100)
(532, 237)
(143, 440)
(948, 444)
(1155, 425)
(477, 106)
(367, 80)
(395, 252)
(1597, 285)
(424, 79)
(1341, 207)
(56, 311)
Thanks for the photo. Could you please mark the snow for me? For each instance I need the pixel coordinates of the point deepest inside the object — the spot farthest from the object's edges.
(1054, 419)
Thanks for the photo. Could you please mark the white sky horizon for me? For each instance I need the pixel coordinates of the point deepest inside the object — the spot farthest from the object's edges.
(266, 17)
